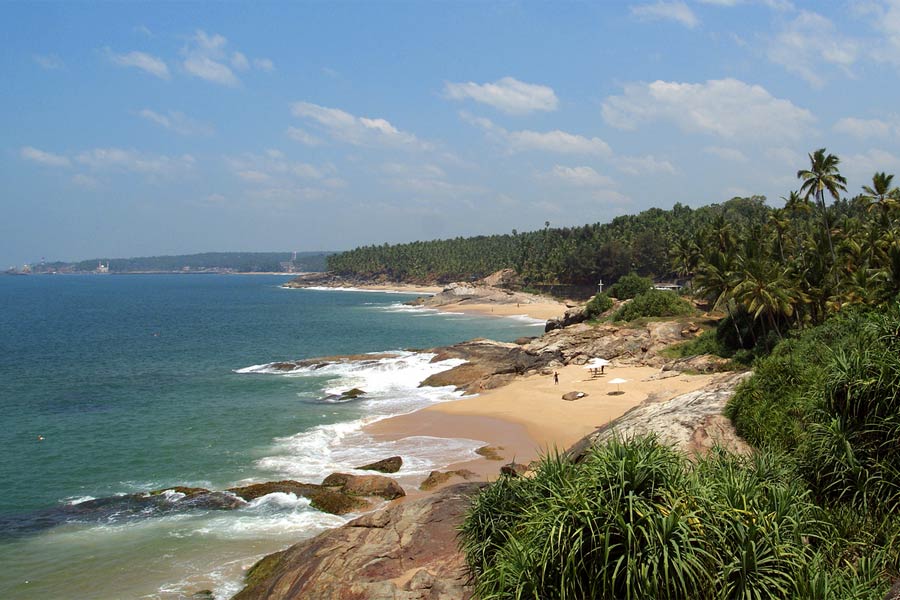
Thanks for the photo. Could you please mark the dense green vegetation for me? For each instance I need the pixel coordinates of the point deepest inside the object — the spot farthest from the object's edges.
(568, 255)
(811, 296)
(242, 262)
(598, 305)
(654, 303)
(630, 286)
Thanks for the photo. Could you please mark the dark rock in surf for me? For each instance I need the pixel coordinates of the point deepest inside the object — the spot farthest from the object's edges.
(387, 465)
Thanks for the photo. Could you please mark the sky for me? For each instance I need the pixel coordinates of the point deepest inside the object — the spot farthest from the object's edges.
(133, 129)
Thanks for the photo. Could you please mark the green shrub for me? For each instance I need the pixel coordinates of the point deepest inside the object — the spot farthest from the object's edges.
(598, 305)
(637, 520)
(630, 286)
(654, 303)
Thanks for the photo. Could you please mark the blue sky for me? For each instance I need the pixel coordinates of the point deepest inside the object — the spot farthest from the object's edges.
(135, 129)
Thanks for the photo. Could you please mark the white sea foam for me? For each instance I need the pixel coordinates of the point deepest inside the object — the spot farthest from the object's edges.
(391, 388)
(528, 320)
(73, 500)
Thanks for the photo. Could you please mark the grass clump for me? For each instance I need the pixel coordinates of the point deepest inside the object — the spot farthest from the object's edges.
(654, 303)
(637, 520)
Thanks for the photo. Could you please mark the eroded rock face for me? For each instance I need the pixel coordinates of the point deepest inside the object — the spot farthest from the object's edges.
(692, 422)
(406, 552)
(438, 478)
(386, 465)
(573, 316)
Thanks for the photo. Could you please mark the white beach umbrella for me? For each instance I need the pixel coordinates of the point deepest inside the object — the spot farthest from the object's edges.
(617, 382)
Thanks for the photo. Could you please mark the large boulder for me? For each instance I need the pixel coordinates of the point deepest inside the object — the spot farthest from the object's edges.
(364, 485)
(692, 422)
(288, 486)
(385, 465)
(573, 316)
(438, 478)
(406, 552)
(321, 497)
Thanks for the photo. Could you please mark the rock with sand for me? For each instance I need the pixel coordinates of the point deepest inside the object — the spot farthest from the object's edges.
(385, 465)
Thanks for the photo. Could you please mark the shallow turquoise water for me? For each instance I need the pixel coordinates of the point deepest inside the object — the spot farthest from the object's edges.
(131, 382)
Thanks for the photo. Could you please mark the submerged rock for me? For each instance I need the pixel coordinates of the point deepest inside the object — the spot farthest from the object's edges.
(288, 486)
(386, 465)
(406, 552)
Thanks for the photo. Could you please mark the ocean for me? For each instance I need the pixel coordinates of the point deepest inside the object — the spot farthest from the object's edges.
(113, 385)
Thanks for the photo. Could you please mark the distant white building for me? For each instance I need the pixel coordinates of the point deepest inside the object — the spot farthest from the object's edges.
(101, 268)
(672, 287)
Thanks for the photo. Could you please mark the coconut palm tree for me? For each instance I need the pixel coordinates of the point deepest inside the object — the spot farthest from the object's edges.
(822, 176)
(881, 195)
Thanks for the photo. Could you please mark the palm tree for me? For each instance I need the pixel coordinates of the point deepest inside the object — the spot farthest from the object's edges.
(881, 194)
(822, 176)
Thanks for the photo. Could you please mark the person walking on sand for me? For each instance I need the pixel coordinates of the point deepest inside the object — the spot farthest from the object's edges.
(556, 377)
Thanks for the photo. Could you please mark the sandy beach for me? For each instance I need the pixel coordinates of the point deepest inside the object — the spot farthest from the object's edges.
(529, 416)
(535, 310)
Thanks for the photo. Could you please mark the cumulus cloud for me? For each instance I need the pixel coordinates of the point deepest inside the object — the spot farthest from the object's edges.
(867, 128)
(119, 159)
(557, 141)
(303, 136)
(859, 168)
(44, 158)
(578, 176)
(359, 131)
(807, 43)
(48, 61)
(264, 64)
(140, 60)
(728, 108)
(273, 167)
(730, 154)
(886, 20)
(176, 121)
(207, 57)
(643, 165)
(507, 94)
(678, 12)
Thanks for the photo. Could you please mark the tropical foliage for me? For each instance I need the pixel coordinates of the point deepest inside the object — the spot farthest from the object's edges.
(654, 303)
(630, 286)
(637, 520)
(598, 305)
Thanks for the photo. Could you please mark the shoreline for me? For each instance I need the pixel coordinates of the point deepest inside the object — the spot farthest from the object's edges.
(528, 418)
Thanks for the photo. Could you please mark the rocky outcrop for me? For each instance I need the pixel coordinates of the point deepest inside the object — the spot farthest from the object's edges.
(364, 485)
(478, 293)
(636, 345)
(573, 316)
(489, 364)
(321, 498)
(692, 422)
(406, 552)
(438, 478)
(385, 465)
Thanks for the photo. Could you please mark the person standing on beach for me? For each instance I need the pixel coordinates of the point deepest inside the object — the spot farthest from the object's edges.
(556, 377)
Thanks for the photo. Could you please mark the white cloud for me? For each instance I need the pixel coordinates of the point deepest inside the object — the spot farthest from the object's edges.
(302, 136)
(45, 158)
(130, 160)
(140, 60)
(359, 131)
(264, 64)
(48, 61)
(578, 176)
(557, 141)
(643, 165)
(667, 11)
(176, 121)
(272, 165)
(239, 61)
(85, 181)
(507, 94)
(728, 108)
(731, 154)
(859, 168)
(886, 20)
(807, 43)
(866, 128)
(207, 57)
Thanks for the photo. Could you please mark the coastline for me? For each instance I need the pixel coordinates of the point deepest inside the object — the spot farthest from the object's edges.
(528, 417)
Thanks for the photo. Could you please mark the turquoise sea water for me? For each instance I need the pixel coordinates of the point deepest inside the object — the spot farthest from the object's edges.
(137, 383)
